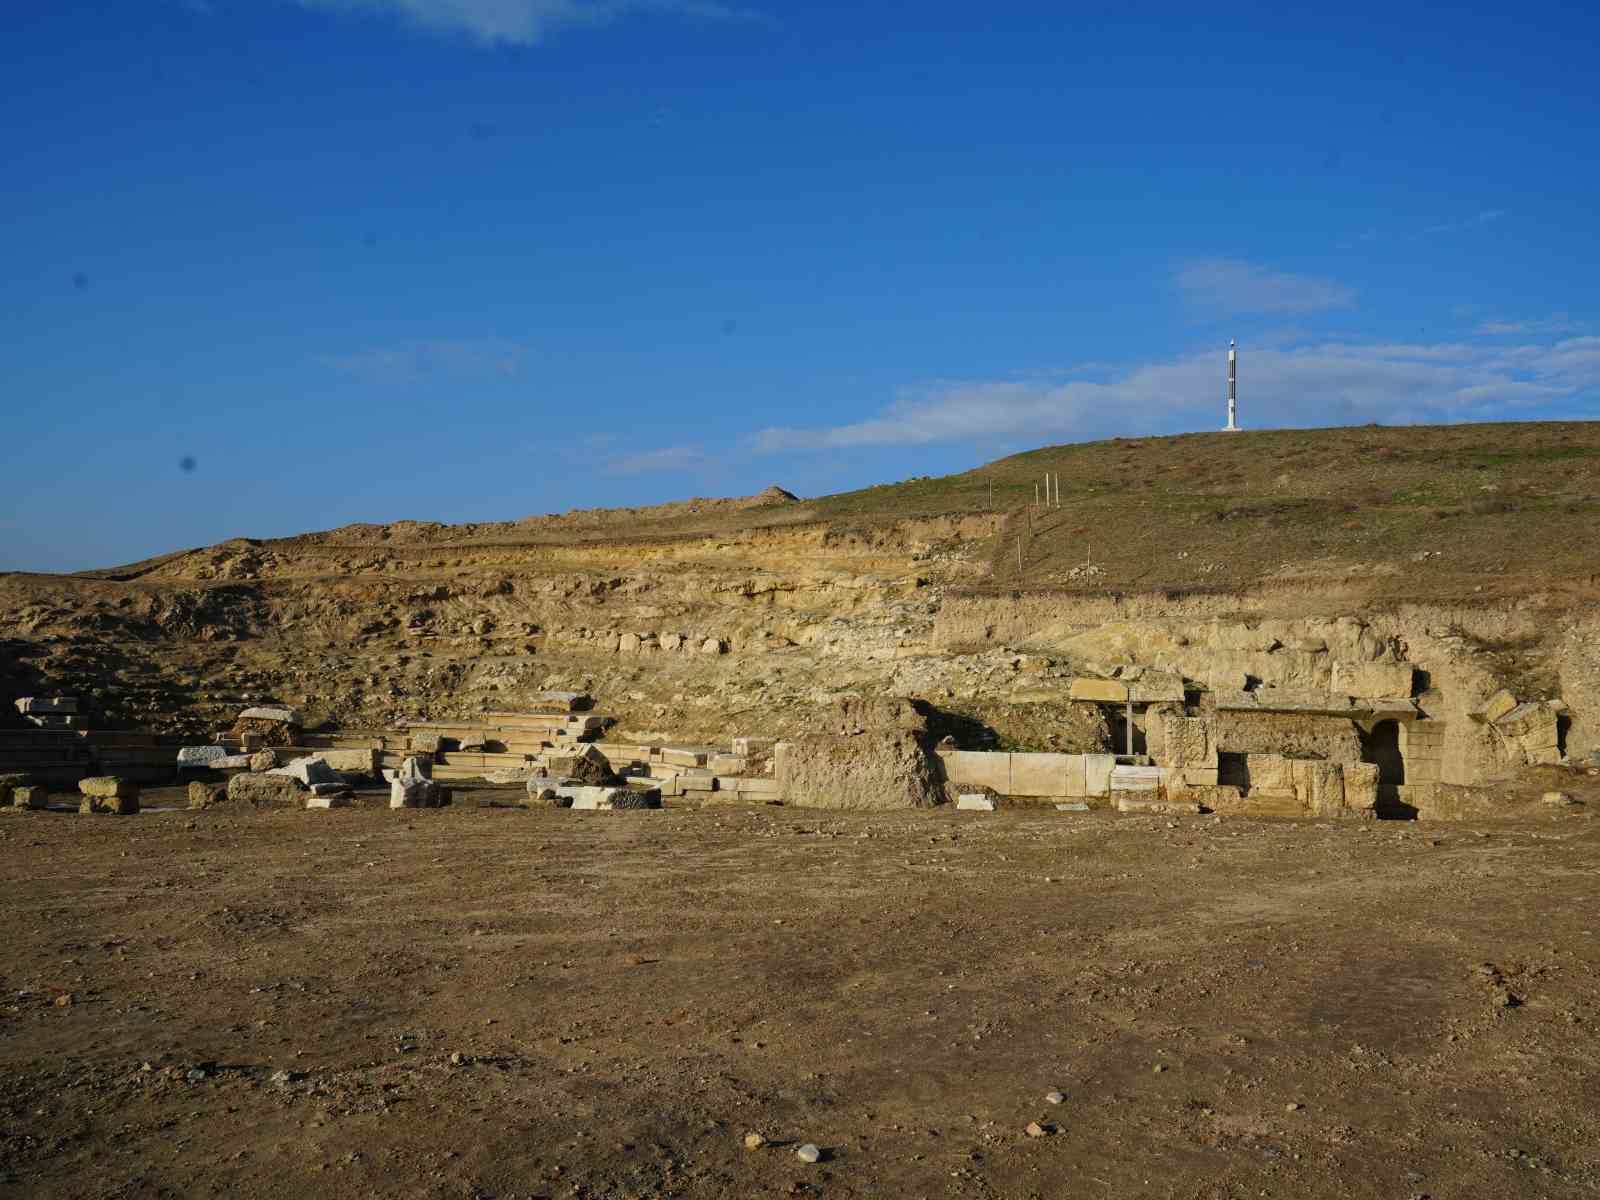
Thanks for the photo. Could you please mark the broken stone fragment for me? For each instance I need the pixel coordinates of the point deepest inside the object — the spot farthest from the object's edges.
(26, 796)
(206, 795)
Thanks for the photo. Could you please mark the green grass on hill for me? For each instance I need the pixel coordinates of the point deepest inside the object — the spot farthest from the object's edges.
(1412, 509)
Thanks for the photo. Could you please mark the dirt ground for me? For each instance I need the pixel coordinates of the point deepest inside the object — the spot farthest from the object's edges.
(481, 1002)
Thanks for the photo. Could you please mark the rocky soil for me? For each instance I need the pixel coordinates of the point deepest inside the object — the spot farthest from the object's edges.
(477, 1002)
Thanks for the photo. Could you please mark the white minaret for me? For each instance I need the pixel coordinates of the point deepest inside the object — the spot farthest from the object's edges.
(1233, 390)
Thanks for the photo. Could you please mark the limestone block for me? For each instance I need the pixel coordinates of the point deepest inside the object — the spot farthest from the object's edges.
(100, 802)
(713, 646)
(233, 762)
(355, 762)
(1102, 691)
(1097, 770)
(1360, 787)
(1495, 707)
(587, 765)
(755, 787)
(206, 795)
(264, 760)
(415, 767)
(1039, 775)
(1227, 635)
(1320, 786)
(261, 790)
(32, 796)
(108, 786)
(331, 789)
(979, 768)
(201, 756)
(1076, 787)
(282, 714)
(311, 769)
(1269, 772)
(1156, 687)
(1155, 803)
(544, 792)
(1133, 780)
(628, 643)
(748, 746)
(681, 757)
(1372, 680)
(671, 641)
(341, 800)
(427, 743)
(416, 793)
(728, 764)
(608, 799)
(883, 769)
(975, 802)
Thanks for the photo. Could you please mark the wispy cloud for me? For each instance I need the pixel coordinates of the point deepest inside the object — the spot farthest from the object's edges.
(1543, 327)
(667, 458)
(1485, 217)
(1321, 383)
(526, 22)
(411, 362)
(1227, 285)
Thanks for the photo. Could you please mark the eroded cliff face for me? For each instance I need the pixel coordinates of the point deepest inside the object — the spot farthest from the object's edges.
(702, 634)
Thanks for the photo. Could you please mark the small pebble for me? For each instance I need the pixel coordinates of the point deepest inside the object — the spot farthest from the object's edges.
(1053, 1098)
(457, 1059)
(1158, 1068)
(808, 1153)
(754, 1141)
(1293, 1107)
(1035, 1130)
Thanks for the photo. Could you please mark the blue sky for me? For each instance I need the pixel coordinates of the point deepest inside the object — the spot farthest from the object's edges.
(279, 265)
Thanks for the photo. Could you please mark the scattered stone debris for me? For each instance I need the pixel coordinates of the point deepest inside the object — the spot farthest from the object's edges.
(1054, 1098)
(754, 1141)
(809, 1153)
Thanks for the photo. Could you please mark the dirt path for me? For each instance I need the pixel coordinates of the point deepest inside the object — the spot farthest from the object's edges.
(1232, 1008)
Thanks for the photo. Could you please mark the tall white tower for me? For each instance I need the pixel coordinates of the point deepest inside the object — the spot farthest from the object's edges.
(1233, 390)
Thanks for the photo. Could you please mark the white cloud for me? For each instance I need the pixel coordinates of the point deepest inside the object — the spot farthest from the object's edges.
(1227, 285)
(1548, 325)
(524, 22)
(1325, 383)
(411, 362)
(1487, 216)
(667, 458)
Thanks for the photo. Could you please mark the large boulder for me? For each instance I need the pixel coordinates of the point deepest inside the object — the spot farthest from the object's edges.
(267, 790)
(884, 769)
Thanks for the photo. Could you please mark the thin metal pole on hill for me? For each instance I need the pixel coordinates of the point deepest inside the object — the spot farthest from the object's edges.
(1019, 558)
